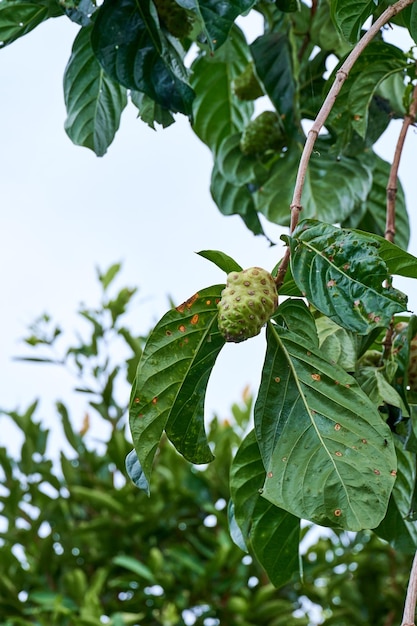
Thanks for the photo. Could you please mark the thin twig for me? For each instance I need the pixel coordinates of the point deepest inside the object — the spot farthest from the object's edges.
(409, 119)
(322, 115)
(411, 598)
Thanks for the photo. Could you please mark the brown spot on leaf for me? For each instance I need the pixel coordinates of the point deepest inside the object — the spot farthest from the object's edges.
(316, 377)
(187, 304)
(277, 379)
(337, 426)
(181, 328)
(364, 441)
(377, 472)
(168, 333)
(136, 400)
(331, 283)
(154, 400)
(338, 512)
(270, 474)
(338, 453)
(194, 319)
(393, 472)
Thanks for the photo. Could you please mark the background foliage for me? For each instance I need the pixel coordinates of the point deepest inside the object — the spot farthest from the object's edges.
(81, 545)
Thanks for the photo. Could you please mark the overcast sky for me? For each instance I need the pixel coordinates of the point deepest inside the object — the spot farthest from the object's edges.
(146, 203)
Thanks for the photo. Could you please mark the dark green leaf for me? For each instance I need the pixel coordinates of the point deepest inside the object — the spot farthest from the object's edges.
(274, 65)
(19, 18)
(217, 112)
(328, 455)
(93, 100)
(150, 112)
(217, 17)
(81, 12)
(235, 200)
(350, 112)
(236, 167)
(172, 377)
(222, 260)
(135, 52)
(271, 532)
(395, 527)
(350, 15)
(410, 18)
(398, 261)
(333, 187)
(135, 472)
(371, 215)
(297, 318)
(341, 274)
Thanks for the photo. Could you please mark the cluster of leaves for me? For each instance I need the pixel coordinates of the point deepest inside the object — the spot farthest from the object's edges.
(137, 51)
(80, 545)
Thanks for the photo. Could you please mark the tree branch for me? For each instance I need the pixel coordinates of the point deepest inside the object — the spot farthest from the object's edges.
(409, 119)
(322, 115)
(411, 598)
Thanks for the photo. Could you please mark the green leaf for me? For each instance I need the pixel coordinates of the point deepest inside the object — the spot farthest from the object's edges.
(216, 17)
(235, 200)
(109, 275)
(150, 112)
(97, 498)
(19, 18)
(395, 527)
(328, 455)
(135, 566)
(410, 18)
(341, 274)
(222, 260)
(297, 318)
(135, 472)
(337, 344)
(377, 62)
(272, 55)
(272, 533)
(371, 215)
(172, 377)
(350, 15)
(135, 52)
(238, 168)
(217, 112)
(93, 100)
(333, 187)
(398, 261)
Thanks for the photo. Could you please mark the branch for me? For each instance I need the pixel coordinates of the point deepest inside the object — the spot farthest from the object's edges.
(411, 598)
(323, 114)
(409, 119)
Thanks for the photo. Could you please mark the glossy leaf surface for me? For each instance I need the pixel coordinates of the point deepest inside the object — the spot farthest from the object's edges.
(19, 18)
(93, 100)
(133, 50)
(328, 455)
(341, 273)
(169, 390)
(272, 532)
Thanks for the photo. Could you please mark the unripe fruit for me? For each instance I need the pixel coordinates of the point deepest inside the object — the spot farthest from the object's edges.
(248, 301)
(262, 134)
(246, 85)
(175, 19)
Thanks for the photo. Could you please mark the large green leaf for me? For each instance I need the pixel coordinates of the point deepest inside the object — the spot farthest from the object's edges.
(341, 273)
(149, 111)
(350, 15)
(328, 455)
(169, 390)
(222, 260)
(350, 112)
(217, 112)
(94, 101)
(134, 51)
(334, 187)
(19, 18)
(273, 60)
(216, 18)
(235, 200)
(396, 526)
(371, 216)
(273, 533)
(238, 168)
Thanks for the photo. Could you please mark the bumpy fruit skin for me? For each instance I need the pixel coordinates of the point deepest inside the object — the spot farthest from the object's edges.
(248, 301)
(262, 134)
(246, 85)
(175, 19)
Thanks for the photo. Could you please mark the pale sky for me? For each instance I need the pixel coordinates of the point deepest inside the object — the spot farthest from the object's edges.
(146, 203)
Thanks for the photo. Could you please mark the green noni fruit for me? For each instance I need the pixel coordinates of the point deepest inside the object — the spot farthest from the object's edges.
(262, 134)
(247, 302)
